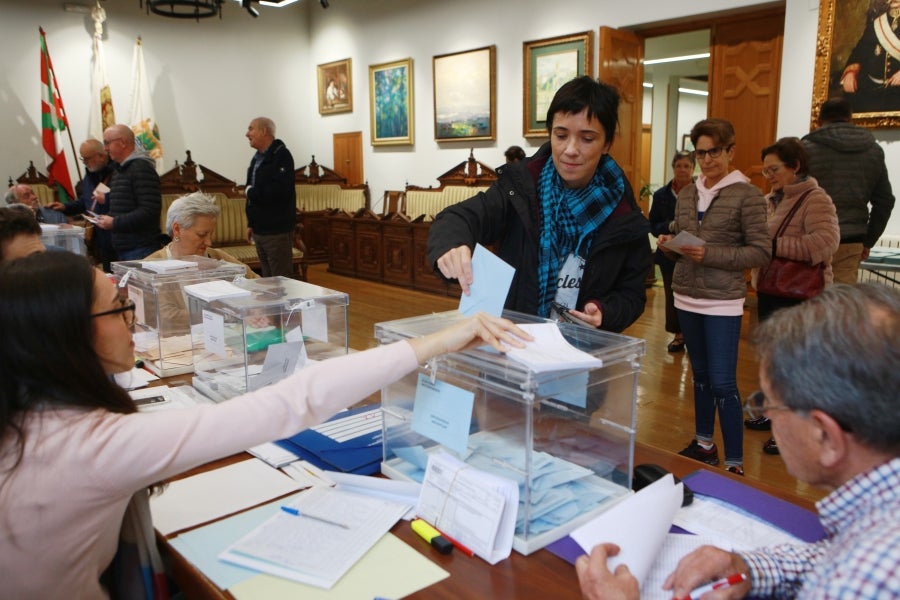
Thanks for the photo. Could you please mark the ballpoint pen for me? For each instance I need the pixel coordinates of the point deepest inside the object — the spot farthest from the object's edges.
(297, 513)
(725, 582)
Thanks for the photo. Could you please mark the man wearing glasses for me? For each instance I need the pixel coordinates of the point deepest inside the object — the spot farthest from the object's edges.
(829, 376)
(99, 170)
(134, 198)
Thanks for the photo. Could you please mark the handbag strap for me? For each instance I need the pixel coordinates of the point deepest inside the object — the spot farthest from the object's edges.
(791, 213)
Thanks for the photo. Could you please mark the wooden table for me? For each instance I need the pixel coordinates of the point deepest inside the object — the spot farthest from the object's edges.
(539, 576)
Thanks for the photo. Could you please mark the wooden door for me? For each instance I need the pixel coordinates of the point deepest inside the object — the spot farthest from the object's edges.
(621, 55)
(745, 66)
(348, 161)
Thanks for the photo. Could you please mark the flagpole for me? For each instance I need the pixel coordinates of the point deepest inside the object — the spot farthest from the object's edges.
(68, 128)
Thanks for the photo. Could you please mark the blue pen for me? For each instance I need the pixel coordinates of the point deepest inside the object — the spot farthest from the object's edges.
(293, 511)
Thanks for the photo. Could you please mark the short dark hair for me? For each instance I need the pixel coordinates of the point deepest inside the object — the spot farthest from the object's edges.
(47, 299)
(15, 222)
(682, 154)
(836, 110)
(720, 130)
(791, 152)
(838, 353)
(600, 99)
(514, 153)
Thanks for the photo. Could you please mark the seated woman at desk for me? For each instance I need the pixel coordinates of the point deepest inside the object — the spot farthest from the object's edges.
(190, 222)
(75, 455)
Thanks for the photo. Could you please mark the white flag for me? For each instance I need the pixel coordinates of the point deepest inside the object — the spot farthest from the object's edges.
(102, 114)
(143, 121)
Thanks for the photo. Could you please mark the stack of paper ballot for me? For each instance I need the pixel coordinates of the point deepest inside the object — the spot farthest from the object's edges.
(169, 266)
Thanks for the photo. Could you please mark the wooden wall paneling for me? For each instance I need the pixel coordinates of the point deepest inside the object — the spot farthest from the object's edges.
(342, 250)
(315, 235)
(397, 250)
(367, 243)
(424, 277)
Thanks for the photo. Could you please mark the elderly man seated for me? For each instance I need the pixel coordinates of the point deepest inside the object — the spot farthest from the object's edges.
(21, 193)
(829, 377)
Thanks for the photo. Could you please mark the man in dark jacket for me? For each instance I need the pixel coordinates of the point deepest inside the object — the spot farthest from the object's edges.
(98, 169)
(566, 219)
(271, 199)
(849, 164)
(134, 197)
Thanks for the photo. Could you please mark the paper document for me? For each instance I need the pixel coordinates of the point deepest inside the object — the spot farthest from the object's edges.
(550, 351)
(306, 549)
(213, 494)
(474, 507)
(681, 240)
(169, 266)
(638, 525)
(490, 284)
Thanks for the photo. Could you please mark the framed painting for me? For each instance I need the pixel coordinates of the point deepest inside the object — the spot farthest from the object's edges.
(857, 57)
(465, 102)
(391, 103)
(548, 64)
(335, 87)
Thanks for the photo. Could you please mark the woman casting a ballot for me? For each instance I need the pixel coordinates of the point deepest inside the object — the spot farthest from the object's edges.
(77, 459)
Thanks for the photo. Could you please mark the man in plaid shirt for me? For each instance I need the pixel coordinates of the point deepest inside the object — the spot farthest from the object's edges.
(830, 373)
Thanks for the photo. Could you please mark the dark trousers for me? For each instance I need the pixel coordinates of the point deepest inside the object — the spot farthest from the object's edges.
(766, 305)
(275, 253)
(672, 325)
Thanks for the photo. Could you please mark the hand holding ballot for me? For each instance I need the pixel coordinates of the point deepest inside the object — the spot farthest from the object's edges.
(686, 244)
(501, 334)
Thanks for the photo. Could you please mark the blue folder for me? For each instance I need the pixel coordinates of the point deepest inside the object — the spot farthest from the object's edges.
(361, 455)
(788, 517)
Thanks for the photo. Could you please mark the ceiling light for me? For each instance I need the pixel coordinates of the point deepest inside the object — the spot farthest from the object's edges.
(658, 61)
(185, 9)
(276, 3)
(694, 92)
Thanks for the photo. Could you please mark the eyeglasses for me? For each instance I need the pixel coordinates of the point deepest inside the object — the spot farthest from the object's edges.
(84, 159)
(712, 152)
(757, 406)
(108, 142)
(769, 171)
(127, 311)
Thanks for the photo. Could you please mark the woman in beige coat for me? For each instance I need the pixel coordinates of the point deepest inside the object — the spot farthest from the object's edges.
(812, 235)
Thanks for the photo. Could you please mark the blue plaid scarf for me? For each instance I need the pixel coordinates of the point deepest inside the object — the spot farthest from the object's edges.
(569, 217)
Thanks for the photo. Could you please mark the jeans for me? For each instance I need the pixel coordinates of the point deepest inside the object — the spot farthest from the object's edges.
(712, 345)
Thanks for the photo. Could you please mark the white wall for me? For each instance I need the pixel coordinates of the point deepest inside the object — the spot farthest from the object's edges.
(210, 78)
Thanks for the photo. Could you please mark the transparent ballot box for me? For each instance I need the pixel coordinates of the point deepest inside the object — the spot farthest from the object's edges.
(162, 331)
(566, 437)
(257, 331)
(67, 237)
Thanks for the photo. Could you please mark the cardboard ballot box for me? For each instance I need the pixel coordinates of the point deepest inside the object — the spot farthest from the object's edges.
(566, 437)
(162, 332)
(68, 237)
(254, 332)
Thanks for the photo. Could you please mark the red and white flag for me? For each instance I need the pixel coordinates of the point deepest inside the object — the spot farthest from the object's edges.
(53, 124)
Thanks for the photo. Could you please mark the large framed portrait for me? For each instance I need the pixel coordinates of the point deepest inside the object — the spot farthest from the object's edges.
(391, 103)
(465, 102)
(335, 87)
(858, 57)
(549, 63)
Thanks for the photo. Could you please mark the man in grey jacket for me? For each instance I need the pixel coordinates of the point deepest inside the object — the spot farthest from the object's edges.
(849, 164)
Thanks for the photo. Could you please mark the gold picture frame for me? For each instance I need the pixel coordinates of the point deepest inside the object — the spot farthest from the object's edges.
(465, 100)
(836, 47)
(391, 110)
(335, 87)
(548, 64)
